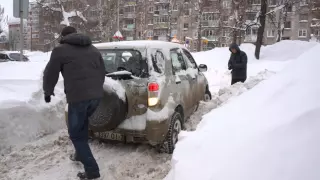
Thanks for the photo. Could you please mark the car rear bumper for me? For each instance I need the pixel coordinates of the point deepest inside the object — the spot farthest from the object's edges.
(154, 133)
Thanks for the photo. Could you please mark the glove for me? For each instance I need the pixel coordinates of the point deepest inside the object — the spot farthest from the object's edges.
(47, 98)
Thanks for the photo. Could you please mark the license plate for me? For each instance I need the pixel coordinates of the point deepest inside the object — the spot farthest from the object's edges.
(110, 136)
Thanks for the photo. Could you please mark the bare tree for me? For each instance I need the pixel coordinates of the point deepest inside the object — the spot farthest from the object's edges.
(238, 22)
(280, 15)
(262, 21)
(66, 13)
(199, 5)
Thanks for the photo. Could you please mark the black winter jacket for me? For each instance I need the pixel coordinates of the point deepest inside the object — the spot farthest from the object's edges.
(81, 66)
(238, 63)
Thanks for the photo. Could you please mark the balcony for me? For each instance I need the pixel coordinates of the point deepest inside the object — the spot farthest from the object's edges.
(128, 27)
(163, 25)
(162, 1)
(129, 15)
(210, 23)
(130, 3)
(213, 38)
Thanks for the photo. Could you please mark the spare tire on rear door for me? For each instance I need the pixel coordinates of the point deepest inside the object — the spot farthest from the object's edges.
(110, 113)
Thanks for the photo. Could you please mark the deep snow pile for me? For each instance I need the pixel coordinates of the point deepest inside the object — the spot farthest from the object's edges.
(24, 114)
(270, 132)
(273, 57)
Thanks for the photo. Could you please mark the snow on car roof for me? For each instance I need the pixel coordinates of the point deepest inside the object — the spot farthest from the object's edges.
(138, 44)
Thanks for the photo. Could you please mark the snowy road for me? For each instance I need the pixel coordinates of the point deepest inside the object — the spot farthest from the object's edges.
(47, 158)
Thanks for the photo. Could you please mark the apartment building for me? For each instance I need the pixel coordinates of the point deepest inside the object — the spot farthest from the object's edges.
(14, 34)
(33, 27)
(181, 19)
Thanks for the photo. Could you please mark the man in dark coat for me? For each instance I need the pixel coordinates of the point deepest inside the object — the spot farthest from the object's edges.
(238, 64)
(82, 68)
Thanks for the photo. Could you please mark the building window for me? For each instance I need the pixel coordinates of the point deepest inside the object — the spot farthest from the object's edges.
(271, 33)
(175, 7)
(256, 2)
(303, 17)
(224, 33)
(302, 33)
(273, 2)
(251, 16)
(303, 2)
(186, 25)
(288, 8)
(151, 9)
(287, 25)
(225, 4)
(187, 12)
(316, 32)
(150, 33)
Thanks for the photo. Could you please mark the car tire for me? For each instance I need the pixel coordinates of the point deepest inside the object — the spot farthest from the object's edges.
(110, 113)
(175, 128)
(207, 96)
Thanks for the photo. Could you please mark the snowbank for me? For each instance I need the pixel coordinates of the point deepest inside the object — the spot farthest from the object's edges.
(270, 132)
(273, 57)
(24, 114)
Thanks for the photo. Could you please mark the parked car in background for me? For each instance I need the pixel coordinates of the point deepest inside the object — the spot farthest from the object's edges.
(12, 56)
(151, 89)
(4, 57)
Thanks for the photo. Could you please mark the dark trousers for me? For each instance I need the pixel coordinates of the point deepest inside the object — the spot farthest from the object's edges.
(78, 114)
(233, 81)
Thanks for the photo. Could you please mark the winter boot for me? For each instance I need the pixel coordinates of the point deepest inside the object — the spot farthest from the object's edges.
(87, 176)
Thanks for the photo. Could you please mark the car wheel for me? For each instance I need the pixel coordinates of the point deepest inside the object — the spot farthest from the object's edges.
(207, 96)
(173, 133)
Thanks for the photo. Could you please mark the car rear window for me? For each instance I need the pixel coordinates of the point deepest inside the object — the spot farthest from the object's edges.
(124, 60)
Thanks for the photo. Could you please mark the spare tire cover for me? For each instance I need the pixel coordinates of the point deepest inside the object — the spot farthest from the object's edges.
(109, 114)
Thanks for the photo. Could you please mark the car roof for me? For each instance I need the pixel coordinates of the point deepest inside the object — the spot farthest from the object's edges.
(141, 44)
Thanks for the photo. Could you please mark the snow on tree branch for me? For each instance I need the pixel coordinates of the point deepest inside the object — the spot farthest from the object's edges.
(65, 14)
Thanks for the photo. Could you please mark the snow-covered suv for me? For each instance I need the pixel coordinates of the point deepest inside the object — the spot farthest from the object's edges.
(151, 89)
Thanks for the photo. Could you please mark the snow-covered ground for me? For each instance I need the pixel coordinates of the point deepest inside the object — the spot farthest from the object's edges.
(34, 142)
(270, 132)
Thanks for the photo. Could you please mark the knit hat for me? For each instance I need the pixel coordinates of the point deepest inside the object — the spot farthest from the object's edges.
(68, 30)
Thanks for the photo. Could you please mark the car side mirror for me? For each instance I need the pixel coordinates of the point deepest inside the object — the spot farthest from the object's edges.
(203, 68)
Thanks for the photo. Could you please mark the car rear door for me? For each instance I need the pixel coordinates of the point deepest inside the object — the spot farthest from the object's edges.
(199, 81)
(183, 84)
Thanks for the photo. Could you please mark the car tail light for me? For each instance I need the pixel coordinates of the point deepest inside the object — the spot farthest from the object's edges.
(153, 87)
(153, 94)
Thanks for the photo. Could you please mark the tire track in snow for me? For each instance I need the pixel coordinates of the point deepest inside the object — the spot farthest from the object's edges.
(47, 158)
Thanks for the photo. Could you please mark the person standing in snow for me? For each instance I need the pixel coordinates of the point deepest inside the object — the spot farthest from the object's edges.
(237, 64)
(83, 70)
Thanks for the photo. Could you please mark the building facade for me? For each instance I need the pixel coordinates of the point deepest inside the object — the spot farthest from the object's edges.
(14, 35)
(33, 27)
